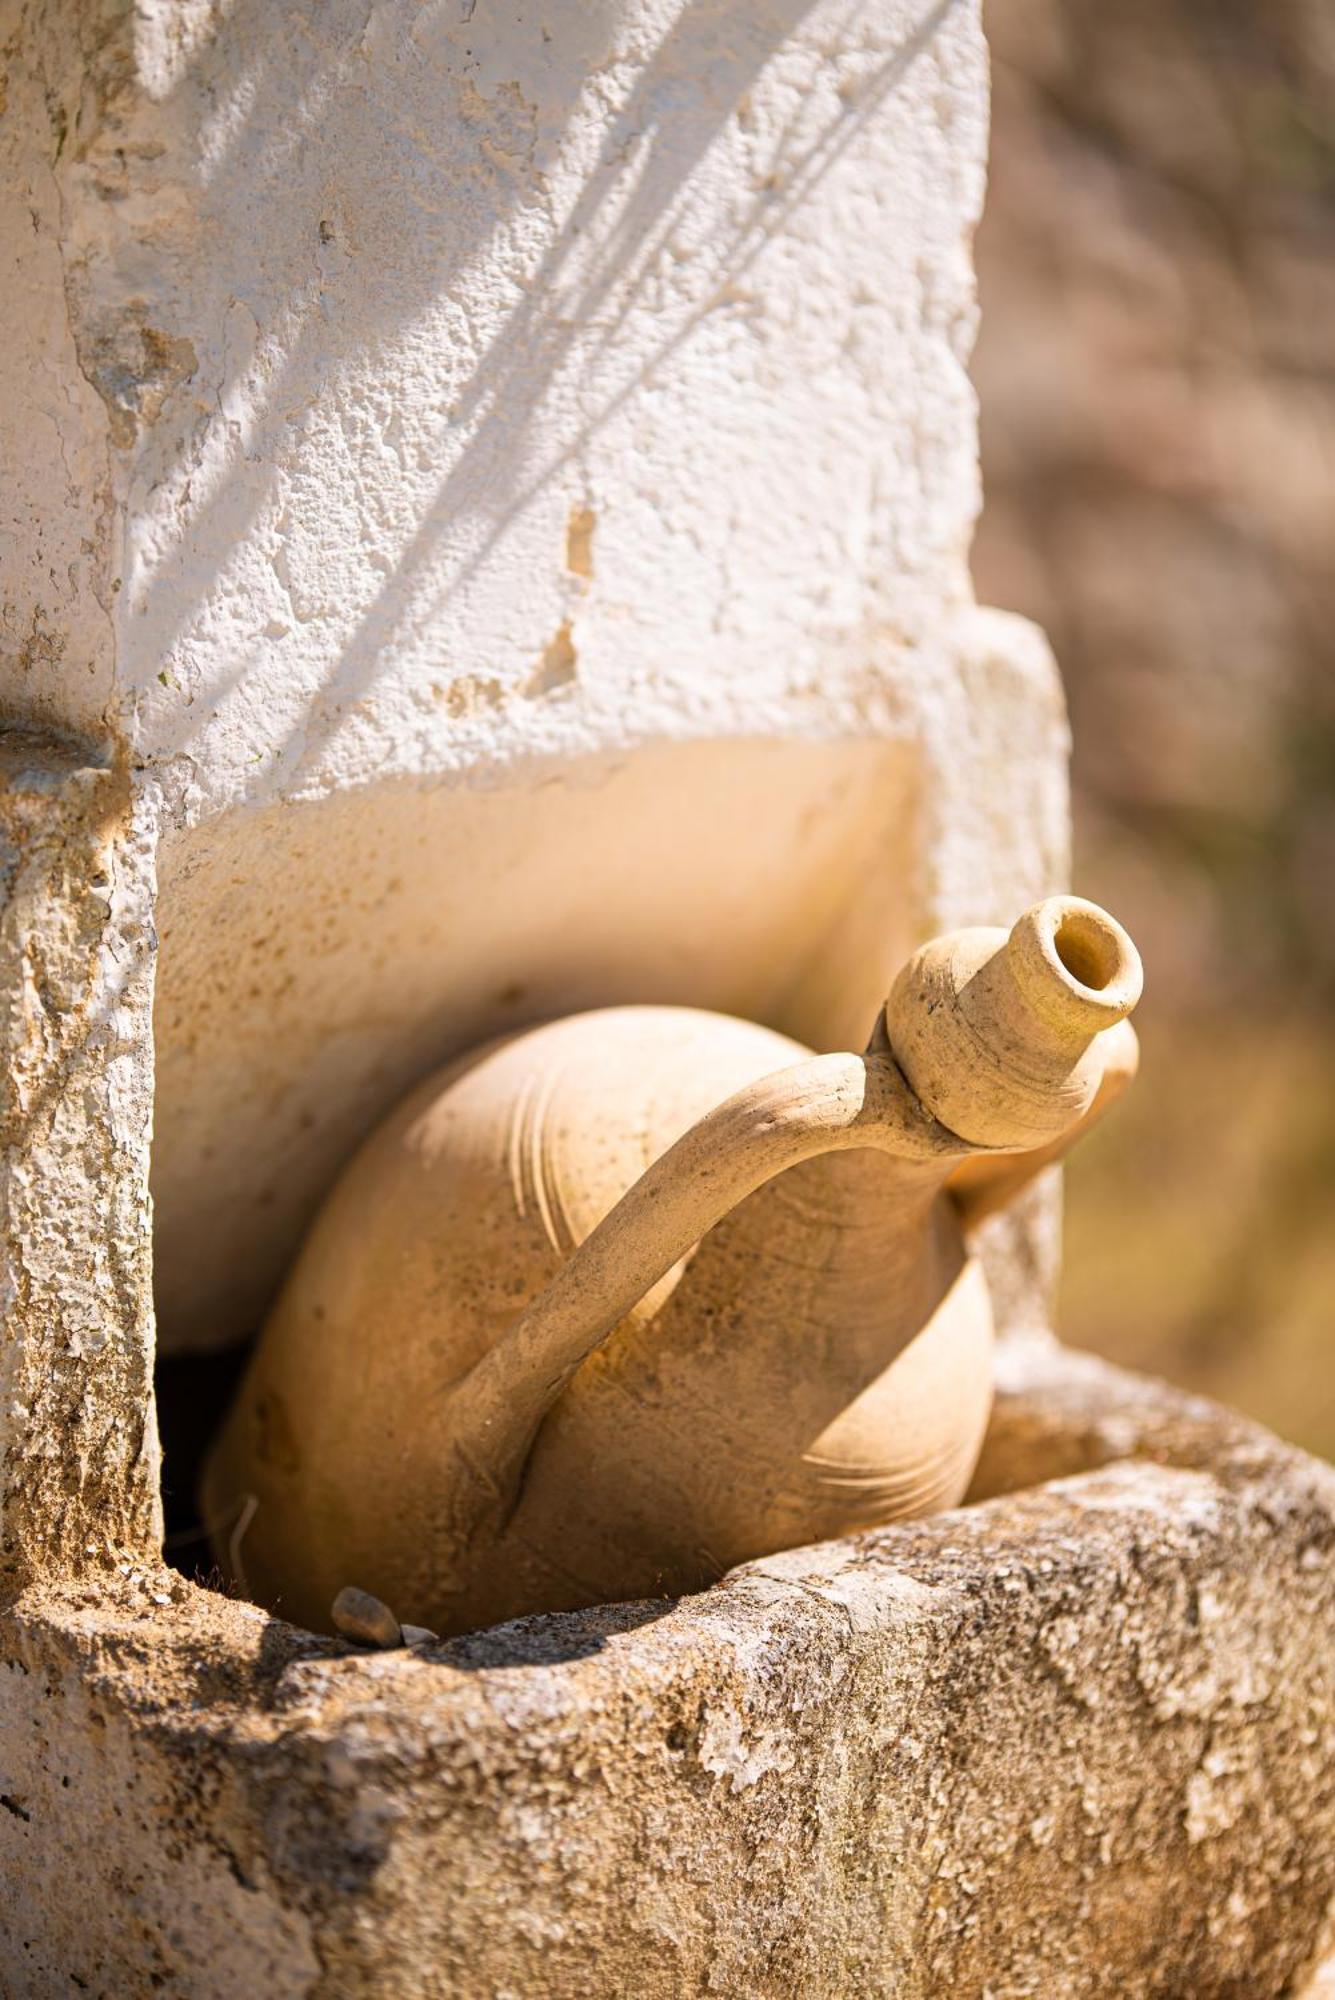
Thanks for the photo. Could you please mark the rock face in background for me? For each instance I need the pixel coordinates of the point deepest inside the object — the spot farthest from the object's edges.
(1157, 375)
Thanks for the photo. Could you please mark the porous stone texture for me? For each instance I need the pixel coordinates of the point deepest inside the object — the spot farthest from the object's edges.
(443, 359)
(1068, 1742)
(78, 1443)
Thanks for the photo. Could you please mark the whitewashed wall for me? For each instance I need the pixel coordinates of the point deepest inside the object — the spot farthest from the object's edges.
(437, 432)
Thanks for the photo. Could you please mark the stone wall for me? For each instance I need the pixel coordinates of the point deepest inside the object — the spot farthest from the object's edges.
(78, 1443)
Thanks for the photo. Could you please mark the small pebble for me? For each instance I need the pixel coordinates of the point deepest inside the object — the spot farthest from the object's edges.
(359, 1616)
(419, 1635)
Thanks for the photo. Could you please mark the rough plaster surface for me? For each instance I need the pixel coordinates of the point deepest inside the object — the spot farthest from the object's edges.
(1072, 1742)
(467, 376)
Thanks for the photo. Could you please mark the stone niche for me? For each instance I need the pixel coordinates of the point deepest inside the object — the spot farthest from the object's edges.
(490, 490)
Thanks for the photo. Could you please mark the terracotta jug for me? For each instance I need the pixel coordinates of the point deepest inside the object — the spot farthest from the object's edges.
(618, 1302)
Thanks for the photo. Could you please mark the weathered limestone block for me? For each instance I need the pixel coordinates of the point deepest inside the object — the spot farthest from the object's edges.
(78, 1444)
(1069, 1742)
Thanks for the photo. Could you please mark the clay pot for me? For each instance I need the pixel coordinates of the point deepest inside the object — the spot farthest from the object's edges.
(614, 1304)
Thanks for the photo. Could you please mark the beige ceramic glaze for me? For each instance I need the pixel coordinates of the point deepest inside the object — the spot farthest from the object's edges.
(612, 1305)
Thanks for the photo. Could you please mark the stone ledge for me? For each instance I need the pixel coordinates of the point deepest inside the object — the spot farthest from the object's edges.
(1071, 1741)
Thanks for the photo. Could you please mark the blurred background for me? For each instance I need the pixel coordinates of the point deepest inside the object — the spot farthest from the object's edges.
(1157, 377)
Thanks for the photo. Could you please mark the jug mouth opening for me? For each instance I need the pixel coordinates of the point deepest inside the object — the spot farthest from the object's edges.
(1076, 964)
(1088, 946)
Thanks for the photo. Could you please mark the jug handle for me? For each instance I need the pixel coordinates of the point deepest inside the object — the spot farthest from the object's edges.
(832, 1102)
